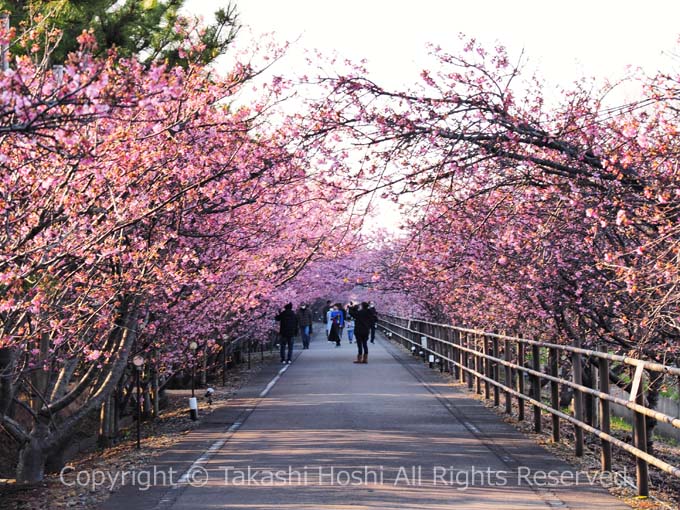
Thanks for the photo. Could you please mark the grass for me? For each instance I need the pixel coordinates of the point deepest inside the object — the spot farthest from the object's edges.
(620, 424)
(666, 440)
(671, 392)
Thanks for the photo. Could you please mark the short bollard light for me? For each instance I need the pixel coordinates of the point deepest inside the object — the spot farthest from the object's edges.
(193, 403)
(193, 408)
(413, 350)
(422, 354)
(430, 360)
(438, 361)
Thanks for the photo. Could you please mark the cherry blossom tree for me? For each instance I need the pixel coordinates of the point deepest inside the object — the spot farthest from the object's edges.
(141, 209)
(477, 135)
(556, 219)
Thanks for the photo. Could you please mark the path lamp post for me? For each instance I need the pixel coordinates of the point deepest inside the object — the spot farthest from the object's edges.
(193, 404)
(138, 362)
(224, 359)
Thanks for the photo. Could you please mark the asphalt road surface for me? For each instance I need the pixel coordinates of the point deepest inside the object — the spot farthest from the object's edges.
(324, 433)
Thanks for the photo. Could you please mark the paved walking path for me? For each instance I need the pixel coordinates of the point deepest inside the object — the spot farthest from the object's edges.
(329, 434)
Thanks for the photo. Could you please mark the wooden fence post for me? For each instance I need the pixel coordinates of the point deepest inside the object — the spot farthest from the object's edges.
(464, 375)
(605, 425)
(640, 441)
(508, 376)
(536, 386)
(521, 357)
(554, 394)
(458, 355)
(578, 401)
(472, 359)
(496, 375)
(487, 367)
(479, 362)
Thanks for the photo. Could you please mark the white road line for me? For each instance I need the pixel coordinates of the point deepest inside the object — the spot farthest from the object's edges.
(220, 442)
(170, 496)
(273, 382)
(207, 455)
(472, 427)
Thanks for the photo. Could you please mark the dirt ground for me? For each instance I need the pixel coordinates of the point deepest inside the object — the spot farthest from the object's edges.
(157, 436)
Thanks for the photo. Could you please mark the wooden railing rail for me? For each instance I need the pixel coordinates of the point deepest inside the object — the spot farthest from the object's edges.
(475, 356)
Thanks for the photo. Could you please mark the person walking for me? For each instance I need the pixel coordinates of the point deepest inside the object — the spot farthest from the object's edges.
(349, 323)
(336, 323)
(342, 320)
(329, 323)
(304, 317)
(362, 329)
(288, 328)
(374, 320)
(325, 313)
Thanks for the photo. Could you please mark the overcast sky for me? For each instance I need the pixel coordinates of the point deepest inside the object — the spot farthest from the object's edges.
(563, 39)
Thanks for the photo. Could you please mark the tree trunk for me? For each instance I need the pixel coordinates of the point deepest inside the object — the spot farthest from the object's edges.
(155, 387)
(33, 454)
(566, 393)
(146, 399)
(31, 466)
(7, 357)
(106, 423)
(155, 395)
(116, 412)
(41, 376)
(57, 456)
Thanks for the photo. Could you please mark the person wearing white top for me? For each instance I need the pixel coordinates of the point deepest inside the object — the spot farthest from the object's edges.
(329, 323)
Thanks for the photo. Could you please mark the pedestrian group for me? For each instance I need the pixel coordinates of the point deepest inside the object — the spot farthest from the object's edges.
(359, 320)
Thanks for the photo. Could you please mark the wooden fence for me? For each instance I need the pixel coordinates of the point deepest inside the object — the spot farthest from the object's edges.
(476, 357)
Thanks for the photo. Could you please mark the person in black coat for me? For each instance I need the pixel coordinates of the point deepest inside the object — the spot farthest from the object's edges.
(288, 328)
(362, 329)
(304, 316)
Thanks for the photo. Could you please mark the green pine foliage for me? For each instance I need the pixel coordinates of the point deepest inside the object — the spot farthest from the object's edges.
(147, 29)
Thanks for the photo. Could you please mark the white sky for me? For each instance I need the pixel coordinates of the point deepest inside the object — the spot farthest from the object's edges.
(564, 40)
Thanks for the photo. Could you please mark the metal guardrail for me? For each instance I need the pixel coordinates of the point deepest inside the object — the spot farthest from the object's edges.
(475, 357)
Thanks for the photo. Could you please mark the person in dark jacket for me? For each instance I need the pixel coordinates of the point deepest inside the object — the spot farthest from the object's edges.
(304, 316)
(343, 317)
(362, 329)
(288, 328)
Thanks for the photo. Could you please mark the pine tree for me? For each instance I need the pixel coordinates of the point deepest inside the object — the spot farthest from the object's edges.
(147, 29)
